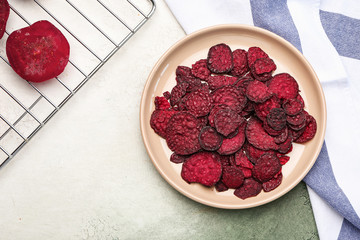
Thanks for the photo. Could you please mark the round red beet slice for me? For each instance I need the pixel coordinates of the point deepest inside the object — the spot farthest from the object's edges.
(240, 63)
(240, 159)
(198, 102)
(293, 106)
(232, 145)
(255, 53)
(213, 112)
(284, 86)
(250, 188)
(282, 136)
(161, 103)
(266, 167)
(176, 158)
(262, 69)
(39, 52)
(200, 70)
(230, 96)
(178, 92)
(182, 133)
(272, 183)
(218, 81)
(210, 139)
(203, 167)
(232, 177)
(309, 132)
(227, 121)
(297, 119)
(276, 118)
(220, 58)
(256, 135)
(4, 16)
(263, 109)
(257, 92)
(159, 120)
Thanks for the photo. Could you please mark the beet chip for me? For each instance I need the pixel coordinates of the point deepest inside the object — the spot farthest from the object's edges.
(309, 132)
(161, 103)
(255, 53)
(178, 92)
(240, 63)
(227, 121)
(210, 139)
(198, 102)
(159, 120)
(257, 92)
(276, 118)
(221, 187)
(182, 133)
(232, 177)
(218, 81)
(4, 15)
(232, 145)
(242, 160)
(200, 70)
(250, 188)
(266, 167)
(43, 57)
(286, 145)
(262, 69)
(257, 136)
(213, 112)
(284, 86)
(182, 74)
(254, 153)
(220, 58)
(263, 109)
(297, 120)
(202, 167)
(293, 106)
(230, 96)
(284, 159)
(272, 183)
(282, 136)
(176, 158)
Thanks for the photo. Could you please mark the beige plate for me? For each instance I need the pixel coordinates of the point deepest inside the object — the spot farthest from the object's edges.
(194, 47)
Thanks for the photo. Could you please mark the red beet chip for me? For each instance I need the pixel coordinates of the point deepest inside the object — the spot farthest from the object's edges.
(266, 167)
(210, 139)
(176, 158)
(227, 121)
(309, 132)
(293, 106)
(198, 102)
(270, 130)
(296, 133)
(167, 95)
(286, 145)
(202, 167)
(225, 160)
(263, 68)
(161, 103)
(243, 82)
(255, 53)
(256, 135)
(250, 188)
(276, 118)
(178, 92)
(234, 144)
(4, 15)
(182, 74)
(284, 160)
(230, 96)
(282, 136)
(182, 133)
(220, 58)
(242, 160)
(221, 187)
(38, 52)
(257, 92)
(247, 172)
(240, 63)
(254, 153)
(232, 177)
(159, 120)
(297, 119)
(218, 81)
(263, 109)
(272, 183)
(200, 70)
(299, 97)
(213, 112)
(284, 86)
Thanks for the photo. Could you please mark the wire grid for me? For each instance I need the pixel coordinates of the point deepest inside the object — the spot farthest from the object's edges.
(95, 29)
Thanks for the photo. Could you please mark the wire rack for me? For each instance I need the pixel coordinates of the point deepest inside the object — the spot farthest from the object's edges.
(95, 29)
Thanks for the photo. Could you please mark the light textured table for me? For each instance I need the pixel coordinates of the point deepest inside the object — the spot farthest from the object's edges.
(86, 174)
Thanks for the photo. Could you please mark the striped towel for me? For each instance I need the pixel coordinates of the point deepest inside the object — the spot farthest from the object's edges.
(327, 32)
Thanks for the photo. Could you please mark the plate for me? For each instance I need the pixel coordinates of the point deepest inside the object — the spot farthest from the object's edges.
(194, 47)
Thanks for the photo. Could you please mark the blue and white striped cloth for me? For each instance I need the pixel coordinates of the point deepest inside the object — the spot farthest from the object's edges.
(327, 32)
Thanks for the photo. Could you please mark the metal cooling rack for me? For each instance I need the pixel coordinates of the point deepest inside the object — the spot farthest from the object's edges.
(95, 29)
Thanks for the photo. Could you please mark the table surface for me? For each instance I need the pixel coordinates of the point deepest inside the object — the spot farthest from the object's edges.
(86, 174)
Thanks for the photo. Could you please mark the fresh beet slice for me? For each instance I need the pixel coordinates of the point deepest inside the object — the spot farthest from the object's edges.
(257, 136)
(182, 133)
(257, 92)
(240, 63)
(218, 81)
(232, 177)
(230, 96)
(242, 160)
(4, 16)
(310, 130)
(176, 158)
(266, 167)
(276, 118)
(178, 92)
(38, 52)
(255, 53)
(250, 188)
(203, 167)
(284, 86)
(293, 106)
(234, 144)
(221, 187)
(161, 103)
(200, 70)
(272, 183)
(227, 121)
(220, 58)
(159, 120)
(263, 68)
(297, 119)
(263, 109)
(198, 103)
(210, 139)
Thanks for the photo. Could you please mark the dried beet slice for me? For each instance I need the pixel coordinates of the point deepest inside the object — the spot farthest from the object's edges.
(220, 58)
(178, 92)
(230, 96)
(284, 86)
(176, 158)
(200, 70)
(256, 135)
(254, 153)
(38, 52)
(240, 63)
(182, 133)
(203, 167)
(284, 160)
(232, 177)
(310, 130)
(257, 92)
(4, 16)
(266, 167)
(296, 133)
(255, 53)
(272, 183)
(167, 95)
(225, 160)
(198, 102)
(276, 118)
(293, 106)
(270, 130)
(286, 145)
(297, 119)
(213, 112)
(246, 171)
(263, 109)
(159, 120)
(263, 68)
(161, 103)
(282, 136)
(182, 74)
(250, 188)
(218, 81)
(234, 144)
(242, 160)
(227, 121)
(210, 139)
(221, 187)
